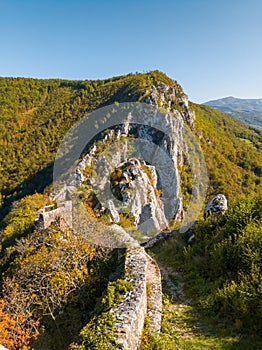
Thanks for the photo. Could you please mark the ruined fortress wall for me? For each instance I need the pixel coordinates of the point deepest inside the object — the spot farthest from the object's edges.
(142, 271)
(130, 314)
(49, 214)
(143, 300)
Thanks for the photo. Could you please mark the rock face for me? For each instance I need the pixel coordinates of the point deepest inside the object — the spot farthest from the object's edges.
(170, 97)
(137, 186)
(158, 136)
(218, 205)
(140, 180)
(113, 212)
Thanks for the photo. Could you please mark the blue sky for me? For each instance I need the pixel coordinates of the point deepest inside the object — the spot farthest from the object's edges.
(213, 48)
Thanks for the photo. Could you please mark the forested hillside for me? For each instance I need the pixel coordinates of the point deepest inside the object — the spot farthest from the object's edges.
(55, 283)
(35, 115)
(232, 152)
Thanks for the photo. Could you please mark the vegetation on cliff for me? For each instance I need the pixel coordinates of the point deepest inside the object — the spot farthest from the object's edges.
(50, 280)
(35, 115)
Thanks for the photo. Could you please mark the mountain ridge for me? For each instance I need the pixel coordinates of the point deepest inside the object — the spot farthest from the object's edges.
(35, 114)
(247, 110)
(63, 285)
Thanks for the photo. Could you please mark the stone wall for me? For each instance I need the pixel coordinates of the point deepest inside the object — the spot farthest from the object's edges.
(49, 214)
(145, 298)
(140, 269)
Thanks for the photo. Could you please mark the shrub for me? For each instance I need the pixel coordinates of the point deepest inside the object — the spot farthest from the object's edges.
(226, 259)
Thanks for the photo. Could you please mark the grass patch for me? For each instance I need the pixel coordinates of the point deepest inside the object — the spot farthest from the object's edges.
(185, 323)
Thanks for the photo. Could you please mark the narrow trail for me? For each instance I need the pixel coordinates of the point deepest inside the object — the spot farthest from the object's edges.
(184, 325)
(180, 306)
(176, 288)
(189, 327)
(154, 294)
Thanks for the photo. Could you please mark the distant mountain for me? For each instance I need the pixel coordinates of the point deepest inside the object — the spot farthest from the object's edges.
(248, 111)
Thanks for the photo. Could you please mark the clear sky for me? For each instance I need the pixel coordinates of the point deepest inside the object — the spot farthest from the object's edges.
(213, 48)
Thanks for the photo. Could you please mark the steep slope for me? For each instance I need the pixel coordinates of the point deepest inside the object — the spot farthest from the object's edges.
(232, 152)
(213, 298)
(248, 111)
(35, 115)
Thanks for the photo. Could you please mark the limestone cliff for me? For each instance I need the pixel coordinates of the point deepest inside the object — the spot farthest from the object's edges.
(144, 183)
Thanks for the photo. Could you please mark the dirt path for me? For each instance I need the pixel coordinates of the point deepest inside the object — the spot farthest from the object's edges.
(174, 282)
(154, 294)
(180, 305)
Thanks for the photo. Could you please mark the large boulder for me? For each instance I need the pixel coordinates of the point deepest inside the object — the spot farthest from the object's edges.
(217, 205)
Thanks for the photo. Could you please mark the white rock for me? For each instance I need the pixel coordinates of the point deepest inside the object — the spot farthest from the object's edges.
(217, 205)
(113, 211)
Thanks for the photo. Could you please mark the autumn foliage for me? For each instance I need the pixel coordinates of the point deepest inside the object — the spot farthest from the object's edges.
(15, 330)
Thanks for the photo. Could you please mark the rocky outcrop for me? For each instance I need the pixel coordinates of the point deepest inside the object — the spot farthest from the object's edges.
(170, 98)
(149, 188)
(217, 205)
(140, 182)
(137, 186)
